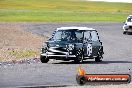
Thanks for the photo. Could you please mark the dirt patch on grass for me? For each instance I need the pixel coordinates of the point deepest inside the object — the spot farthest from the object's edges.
(16, 44)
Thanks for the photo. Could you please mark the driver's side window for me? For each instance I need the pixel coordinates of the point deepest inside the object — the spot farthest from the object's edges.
(87, 36)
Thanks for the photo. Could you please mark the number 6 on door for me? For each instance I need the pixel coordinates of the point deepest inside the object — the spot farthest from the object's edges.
(89, 49)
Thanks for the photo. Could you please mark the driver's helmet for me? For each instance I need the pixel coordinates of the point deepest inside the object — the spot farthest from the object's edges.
(73, 36)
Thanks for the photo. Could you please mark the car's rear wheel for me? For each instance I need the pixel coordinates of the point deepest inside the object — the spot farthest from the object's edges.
(43, 59)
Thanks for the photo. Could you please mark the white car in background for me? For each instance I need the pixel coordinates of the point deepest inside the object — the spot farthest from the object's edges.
(127, 27)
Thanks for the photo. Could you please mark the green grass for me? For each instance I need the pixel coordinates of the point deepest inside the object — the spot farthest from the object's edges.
(22, 53)
(62, 11)
(1, 59)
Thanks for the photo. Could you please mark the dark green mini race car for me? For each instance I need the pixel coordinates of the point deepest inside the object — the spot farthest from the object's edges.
(73, 43)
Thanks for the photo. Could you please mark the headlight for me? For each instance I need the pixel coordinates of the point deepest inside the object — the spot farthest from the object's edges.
(70, 46)
(44, 45)
(44, 48)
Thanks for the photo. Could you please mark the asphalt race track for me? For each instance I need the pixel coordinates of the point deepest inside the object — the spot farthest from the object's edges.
(117, 58)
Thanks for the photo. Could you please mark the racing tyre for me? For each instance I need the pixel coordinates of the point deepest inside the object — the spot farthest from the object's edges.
(77, 61)
(43, 59)
(100, 55)
(98, 59)
(124, 32)
(79, 57)
(129, 33)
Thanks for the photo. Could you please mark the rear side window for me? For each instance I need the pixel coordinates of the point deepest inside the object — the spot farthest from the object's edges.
(94, 36)
(91, 35)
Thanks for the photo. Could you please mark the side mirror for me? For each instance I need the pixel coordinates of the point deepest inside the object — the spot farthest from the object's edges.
(100, 42)
(50, 39)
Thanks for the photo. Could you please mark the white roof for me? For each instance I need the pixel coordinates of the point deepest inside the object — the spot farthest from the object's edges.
(79, 28)
(130, 16)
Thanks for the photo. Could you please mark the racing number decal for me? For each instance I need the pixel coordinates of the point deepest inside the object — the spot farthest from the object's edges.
(89, 49)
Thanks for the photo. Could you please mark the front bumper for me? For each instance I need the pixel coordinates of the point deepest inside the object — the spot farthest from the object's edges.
(57, 53)
(59, 57)
(126, 27)
(66, 56)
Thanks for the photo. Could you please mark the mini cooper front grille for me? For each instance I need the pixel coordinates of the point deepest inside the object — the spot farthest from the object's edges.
(57, 50)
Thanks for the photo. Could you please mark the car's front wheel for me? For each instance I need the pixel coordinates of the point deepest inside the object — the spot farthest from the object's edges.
(79, 57)
(77, 60)
(124, 32)
(98, 59)
(43, 59)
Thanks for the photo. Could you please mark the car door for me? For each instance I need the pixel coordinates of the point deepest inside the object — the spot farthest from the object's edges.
(91, 43)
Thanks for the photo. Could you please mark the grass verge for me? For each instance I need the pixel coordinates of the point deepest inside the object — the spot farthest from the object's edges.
(23, 53)
(62, 11)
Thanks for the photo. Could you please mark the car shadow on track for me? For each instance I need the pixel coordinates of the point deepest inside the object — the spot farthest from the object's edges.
(93, 62)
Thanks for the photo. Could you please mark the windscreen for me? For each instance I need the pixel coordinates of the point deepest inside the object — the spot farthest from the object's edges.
(68, 35)
(129, 20)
